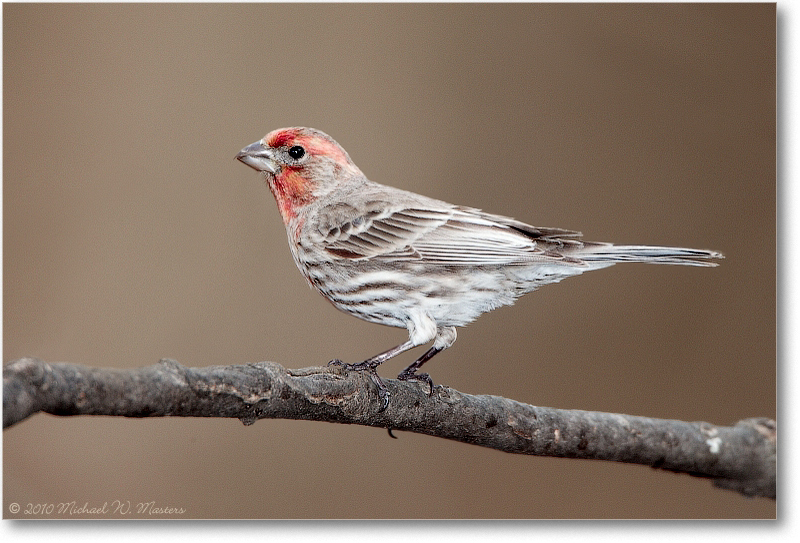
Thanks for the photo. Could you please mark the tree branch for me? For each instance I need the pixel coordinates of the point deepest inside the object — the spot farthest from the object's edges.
(741, 457)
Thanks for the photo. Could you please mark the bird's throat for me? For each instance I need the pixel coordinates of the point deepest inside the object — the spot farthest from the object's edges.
(291, 191)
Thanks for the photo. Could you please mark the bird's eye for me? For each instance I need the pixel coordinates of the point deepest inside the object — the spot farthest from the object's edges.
(297, 152)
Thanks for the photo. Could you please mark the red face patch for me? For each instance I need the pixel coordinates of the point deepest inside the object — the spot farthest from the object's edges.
(313, 143)
(324, 161)
(279, 138)
(291, 191)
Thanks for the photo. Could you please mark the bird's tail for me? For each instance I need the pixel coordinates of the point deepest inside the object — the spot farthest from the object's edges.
(646, 253)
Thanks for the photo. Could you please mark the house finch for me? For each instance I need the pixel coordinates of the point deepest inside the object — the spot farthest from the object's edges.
(394, 257)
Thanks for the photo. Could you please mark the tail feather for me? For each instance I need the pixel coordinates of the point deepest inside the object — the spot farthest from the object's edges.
(647, 253)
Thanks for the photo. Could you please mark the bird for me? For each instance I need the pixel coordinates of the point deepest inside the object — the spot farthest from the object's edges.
(397, 258)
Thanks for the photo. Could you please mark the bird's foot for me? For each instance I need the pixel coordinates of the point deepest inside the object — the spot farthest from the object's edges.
(383, 391)
(361, 366)
(406, 375)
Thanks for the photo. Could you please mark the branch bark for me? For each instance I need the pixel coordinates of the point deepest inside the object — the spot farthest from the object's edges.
(740, 457)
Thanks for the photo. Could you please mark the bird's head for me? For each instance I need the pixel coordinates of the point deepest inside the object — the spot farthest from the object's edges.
(300, 165)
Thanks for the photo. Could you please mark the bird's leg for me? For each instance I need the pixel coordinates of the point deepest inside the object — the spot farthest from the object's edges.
(371, 365)
(445, 337)
(410, 373)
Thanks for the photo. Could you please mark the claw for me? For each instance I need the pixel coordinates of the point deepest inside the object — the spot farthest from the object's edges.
(419, 377)
(383, 391)
(361, 366)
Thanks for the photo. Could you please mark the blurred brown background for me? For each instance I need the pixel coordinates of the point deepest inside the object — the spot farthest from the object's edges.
(131, 234)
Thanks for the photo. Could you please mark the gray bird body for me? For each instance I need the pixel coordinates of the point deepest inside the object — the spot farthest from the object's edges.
(398, 258)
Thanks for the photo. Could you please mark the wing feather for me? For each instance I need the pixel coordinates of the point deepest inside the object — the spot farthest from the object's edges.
(454, 236)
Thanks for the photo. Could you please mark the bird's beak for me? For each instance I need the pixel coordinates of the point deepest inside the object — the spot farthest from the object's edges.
(259, 157)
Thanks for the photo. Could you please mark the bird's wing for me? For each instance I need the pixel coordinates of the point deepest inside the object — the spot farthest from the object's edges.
(441, 234)
(471, 237)
(379, 229)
